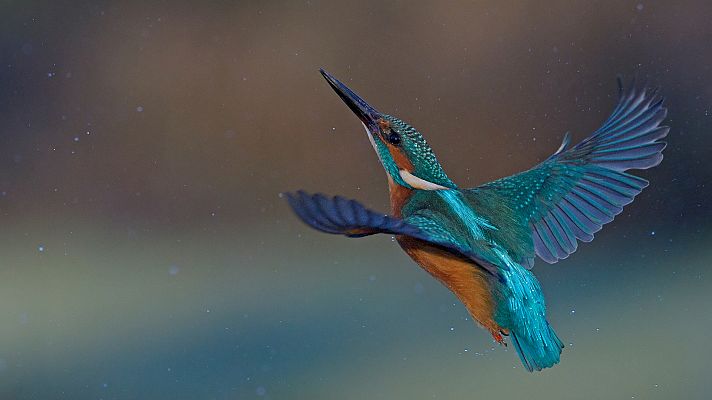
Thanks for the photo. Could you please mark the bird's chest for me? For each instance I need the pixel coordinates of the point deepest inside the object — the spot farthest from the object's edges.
(399, 195)
(467, 281)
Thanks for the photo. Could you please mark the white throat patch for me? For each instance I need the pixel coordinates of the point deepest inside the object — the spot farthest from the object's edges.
(370, 139)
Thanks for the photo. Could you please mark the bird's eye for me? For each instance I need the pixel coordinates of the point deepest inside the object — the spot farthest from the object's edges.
(393, 137)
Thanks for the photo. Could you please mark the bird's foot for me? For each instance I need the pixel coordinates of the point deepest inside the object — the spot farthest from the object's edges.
(497, 335)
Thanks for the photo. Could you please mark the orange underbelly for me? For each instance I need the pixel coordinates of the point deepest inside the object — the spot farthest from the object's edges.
(469, 282)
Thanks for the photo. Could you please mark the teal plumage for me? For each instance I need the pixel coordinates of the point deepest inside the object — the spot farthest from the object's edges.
(419, 153)
(481, 242)
(521, 307)
(575, 192)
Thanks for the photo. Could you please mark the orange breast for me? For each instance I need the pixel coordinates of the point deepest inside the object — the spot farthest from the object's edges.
(398, 195)
(469, 282)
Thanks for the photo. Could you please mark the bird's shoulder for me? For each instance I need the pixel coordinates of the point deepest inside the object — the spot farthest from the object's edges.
(470, 219)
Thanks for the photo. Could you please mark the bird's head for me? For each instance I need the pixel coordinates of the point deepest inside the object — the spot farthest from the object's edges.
(404, 153)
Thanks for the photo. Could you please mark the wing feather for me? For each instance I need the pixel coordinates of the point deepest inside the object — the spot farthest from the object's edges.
(572, 194)
(337, 215)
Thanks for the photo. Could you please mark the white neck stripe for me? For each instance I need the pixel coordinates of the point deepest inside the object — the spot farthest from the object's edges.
(419, 183)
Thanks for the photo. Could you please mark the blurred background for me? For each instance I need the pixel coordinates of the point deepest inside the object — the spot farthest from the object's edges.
(145, 252)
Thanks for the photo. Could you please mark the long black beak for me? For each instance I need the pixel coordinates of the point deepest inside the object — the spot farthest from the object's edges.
(367, 114)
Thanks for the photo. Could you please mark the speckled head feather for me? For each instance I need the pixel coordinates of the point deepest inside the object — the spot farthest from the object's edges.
(417, 151)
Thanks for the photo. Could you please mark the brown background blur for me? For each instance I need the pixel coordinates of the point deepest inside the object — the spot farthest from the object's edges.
(146, 252)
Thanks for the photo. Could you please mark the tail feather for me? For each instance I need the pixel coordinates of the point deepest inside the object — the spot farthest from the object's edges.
(524, 315)
(538, 354)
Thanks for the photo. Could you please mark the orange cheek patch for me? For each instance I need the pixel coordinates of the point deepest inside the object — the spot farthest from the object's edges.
(400, 158)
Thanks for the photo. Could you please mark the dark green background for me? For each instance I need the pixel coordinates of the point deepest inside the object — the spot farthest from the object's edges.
(145, 252)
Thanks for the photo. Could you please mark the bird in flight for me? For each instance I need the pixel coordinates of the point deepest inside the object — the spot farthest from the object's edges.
(481, 242)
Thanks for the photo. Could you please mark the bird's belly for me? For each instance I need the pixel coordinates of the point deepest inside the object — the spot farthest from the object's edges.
(470, 283)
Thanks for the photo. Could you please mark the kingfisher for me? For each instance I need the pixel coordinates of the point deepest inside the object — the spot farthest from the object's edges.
(481, 242)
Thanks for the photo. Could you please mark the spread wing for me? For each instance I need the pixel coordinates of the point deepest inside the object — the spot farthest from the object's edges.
(573, 193)
(338, 215)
